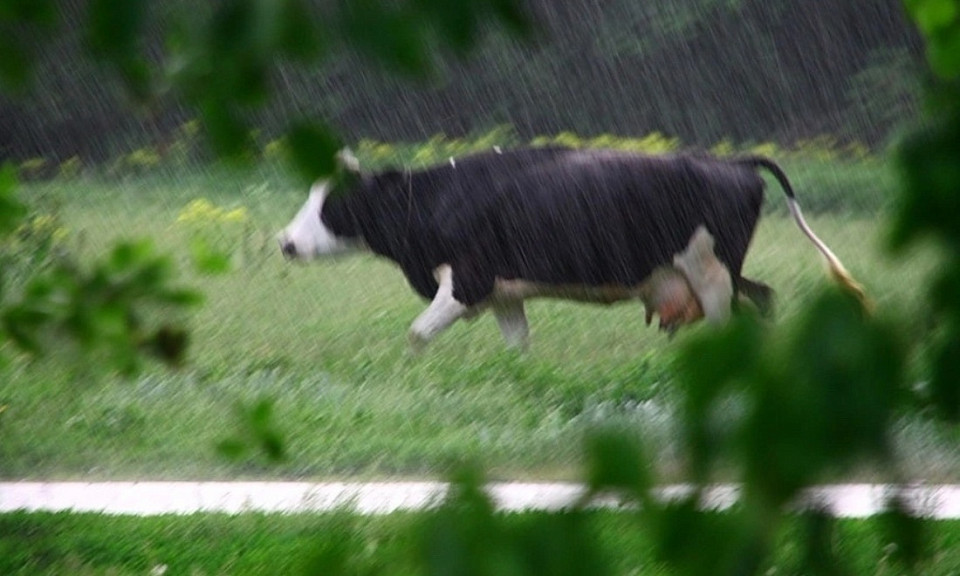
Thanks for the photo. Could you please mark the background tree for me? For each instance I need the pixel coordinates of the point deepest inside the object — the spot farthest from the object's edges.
(747, 70)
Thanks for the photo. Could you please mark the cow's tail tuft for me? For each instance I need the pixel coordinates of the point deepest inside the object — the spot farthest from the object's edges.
(837, 270)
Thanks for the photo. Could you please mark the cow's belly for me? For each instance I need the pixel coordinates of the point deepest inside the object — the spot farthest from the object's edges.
(512, 290)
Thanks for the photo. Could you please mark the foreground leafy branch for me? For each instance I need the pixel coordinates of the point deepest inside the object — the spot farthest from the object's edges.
(116, 310)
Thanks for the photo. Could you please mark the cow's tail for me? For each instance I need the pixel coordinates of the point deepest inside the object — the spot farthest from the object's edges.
(837, 269)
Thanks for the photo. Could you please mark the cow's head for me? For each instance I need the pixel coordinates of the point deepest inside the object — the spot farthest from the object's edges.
(307, 236)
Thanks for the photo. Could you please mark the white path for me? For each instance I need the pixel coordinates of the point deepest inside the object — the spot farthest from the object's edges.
(151, 498)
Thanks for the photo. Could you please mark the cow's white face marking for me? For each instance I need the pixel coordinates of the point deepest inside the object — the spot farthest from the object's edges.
(306, 237)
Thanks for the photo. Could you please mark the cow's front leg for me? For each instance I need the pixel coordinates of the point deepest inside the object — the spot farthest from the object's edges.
(443, 311)
(513, 323)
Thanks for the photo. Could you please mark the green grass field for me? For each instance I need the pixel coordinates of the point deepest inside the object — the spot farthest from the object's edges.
(37, 544)
(328, 343)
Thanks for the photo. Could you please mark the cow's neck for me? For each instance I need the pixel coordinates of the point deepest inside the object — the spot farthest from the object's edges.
(371, 219)
(338, 216)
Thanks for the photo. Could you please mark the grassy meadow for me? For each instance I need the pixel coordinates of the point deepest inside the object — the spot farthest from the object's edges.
(327, 343)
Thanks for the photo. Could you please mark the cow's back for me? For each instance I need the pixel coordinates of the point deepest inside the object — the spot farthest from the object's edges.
(610, 218)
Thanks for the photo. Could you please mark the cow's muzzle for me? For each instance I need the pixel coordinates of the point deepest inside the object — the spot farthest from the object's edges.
(288, 249)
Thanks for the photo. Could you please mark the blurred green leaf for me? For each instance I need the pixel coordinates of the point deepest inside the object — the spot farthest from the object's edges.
(703, 543)
(232, 448)
(298, 37)
(33, 20)
(15, 63)
(467, 536)
(824, 400)
(229, 134)
(933, 15)
(169, 344)
(22, 324)
(12, 211)
(246, 78)
(239, 48)
(711, 368)
(126, 255)
(944, 53)
(559, 544)
(817, 539)
(261, 424)
(511, 14)
(232, 27)
(181, 297)
(137, 78)
(387, 33)
(114, 26)
(260, 414)
(462, 537)
(907, 533)
(257, 433)
(207, 260)
(312, 150)
(615, 461)
(945, 377)
(455, 21)
(339, 549)
(930, 201)
(41, 13)
(102, 309)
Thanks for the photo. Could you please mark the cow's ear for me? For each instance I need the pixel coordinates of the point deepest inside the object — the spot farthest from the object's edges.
(347, 175)
(347, 161)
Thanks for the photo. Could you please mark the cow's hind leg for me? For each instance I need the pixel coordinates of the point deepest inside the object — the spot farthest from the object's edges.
(513, 323)
(758, 293)
(443, 311)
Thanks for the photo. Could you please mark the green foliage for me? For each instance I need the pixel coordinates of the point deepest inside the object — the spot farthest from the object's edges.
(467, 536)
(101, 309)
(312, 150)
(927, 161)
(258, 433)
(11, 209)
(930, 204)
(910, 535)
(939, 20)
(114, 32)
(698, 542)
(388, 34)
(616, 462)
(46, 298)
(822, 403)
(22, 22)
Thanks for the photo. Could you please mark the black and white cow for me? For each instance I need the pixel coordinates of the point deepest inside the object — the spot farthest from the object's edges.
(493, 229)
